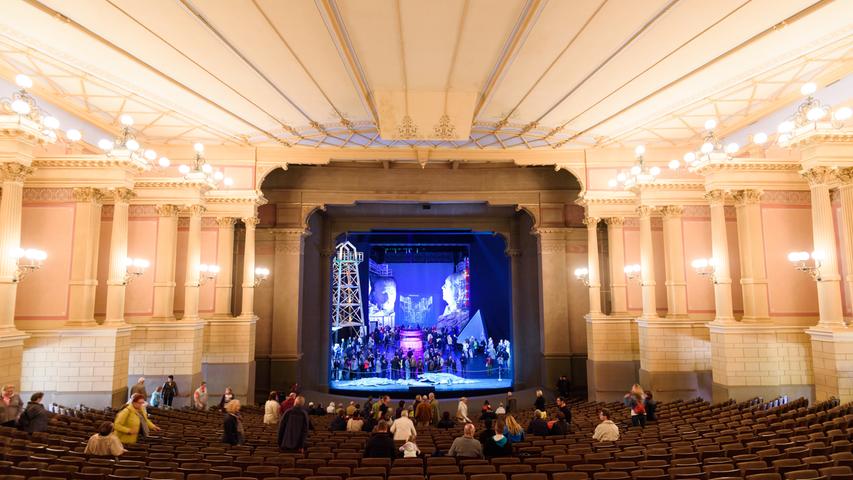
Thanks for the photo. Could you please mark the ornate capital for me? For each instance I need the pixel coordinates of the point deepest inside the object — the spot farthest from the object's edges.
(226, 222)
(747, 197)
(167, 210)
(819, 175)
(845, 176)
(615, 221)
(716, 197)
(251, 222)
(671, 211)
(591, 222)
(122, 194)
(88, 194)
(645, 211)
(196, 210)
(14, 172)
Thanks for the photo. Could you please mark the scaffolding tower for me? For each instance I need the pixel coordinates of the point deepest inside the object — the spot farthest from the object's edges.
(347, 311)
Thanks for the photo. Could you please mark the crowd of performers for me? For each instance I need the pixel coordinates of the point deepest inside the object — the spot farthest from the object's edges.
(382, 354)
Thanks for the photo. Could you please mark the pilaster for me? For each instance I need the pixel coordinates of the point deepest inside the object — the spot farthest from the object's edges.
(84, 257)
(594, 276)
(248, 308)
(845, 191)
(756, 305)
(287, 309)
(647, 263)
(164, 264)
(720, 253)
(193, 276)
(556, 349)
(12, 176)
(117, 282)
(616, 247)
(225, 260)
(673, 241)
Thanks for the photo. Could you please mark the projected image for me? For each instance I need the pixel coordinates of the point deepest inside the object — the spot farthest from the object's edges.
(422, 328)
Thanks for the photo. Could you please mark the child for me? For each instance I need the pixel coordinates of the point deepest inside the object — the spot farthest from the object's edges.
(409, 449)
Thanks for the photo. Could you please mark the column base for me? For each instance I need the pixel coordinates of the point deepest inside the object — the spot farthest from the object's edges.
(11, 356)
(78, 365)
(607, 381)
(741, 393)
(614, 355)
(159, 349)
(670, 386)
(229, 355)
(832, 354)
(675, 358)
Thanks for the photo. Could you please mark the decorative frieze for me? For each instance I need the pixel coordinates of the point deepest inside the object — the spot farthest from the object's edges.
(615, 221)
(46, 195)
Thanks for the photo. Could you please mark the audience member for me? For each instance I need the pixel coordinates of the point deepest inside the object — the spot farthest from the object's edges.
(563, 407)
(497, 444)
(488, 431)
(462, 411)
(651, 407)
(139, 387)
(355, 424)
(271, 415)
(466, 446)
(156, 397)
(403, 428)
(132, 421)
(226, 397)
(539, 403)
(558, 426)
(446, 422)
(563, 386)
(410, 448)
(635, 400)
(433, 403)
(513, 430)
(170, 391)
(35, 417)
(330, 410)
(606, 431)
(294, 426)
(538, 425)
(287, 404)
(500, 410)
(200, 397)
(511, 403)
(380, 444)
(104, 443)
(401, 406)
(423, 413)
(351, 408)
(339, 423)
(232, 425)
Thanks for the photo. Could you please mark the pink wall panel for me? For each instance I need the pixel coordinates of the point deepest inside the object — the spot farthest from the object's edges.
(788, 228)
(244, 177)
(697, 244)
(142, 243)
(43, 295)
(209, 237)
(103, 267)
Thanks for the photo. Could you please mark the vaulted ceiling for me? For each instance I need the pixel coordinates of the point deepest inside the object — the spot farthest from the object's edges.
(444, 73)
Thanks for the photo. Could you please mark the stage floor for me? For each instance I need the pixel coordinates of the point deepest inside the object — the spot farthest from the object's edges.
(402, 385)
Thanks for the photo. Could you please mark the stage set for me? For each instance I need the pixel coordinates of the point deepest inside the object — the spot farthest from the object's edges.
(419, 311)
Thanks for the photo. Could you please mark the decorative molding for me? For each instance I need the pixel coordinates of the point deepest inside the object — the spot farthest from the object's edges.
(208, 222)
(845, 176)
(671, 211)
(718, 196)
(615, 221)
(813, 137)
(173, 183)
(747, 197)
(668, 186)
(226, 222)
(817, 176)
(167, 210)
(195, 210)
(748, 166)
(86, 162)
(88, 194)
(644, 211)
(632, 222)
(14, 172)
(251, 222)
(122, 194)
(143, 211)
(48, 195)
(697, 211)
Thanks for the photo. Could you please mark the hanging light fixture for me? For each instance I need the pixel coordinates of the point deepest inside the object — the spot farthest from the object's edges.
(712, 150)
(23, 105)
(203, 171)
(126, 146)
(638, 174)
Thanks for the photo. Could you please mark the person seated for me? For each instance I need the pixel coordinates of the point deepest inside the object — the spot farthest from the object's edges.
(487, 413)
(488, 431)
(500, 410)
(410, 449)
(558, 426)
(355, 424)
(513, 430)
(497, 444)
(104, 443)
(380, 444)
(466, 446)
(339, 423)
(606, 431)
(538, 425)
(446, 422)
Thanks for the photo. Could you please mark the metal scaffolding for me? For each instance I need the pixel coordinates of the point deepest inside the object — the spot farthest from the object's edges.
(347, 311)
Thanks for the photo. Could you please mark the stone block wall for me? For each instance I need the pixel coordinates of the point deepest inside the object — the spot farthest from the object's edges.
(832, 354)
(11, 351)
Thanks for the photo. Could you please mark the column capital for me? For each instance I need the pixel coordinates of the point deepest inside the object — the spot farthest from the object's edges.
(123, 194)
(645, 211)
(615, 221)
(591, 222)
(747, 197)
(819, 175)
(672, 211)
(251, 222)
(14, 172)
(196, 210)
(845, 176)
(88, 194)
(226, 222)
(167, 210)
(717, 197)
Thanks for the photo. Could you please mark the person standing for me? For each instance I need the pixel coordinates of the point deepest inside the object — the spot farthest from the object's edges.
(271, 415)
(156, 398)
(139, 387)
(539, 403)
(11, 406)
(226, 397)
(403, 428)
(232, 427)
(170, 391)
(462, 411)
(132, 421)
(433, 404)
(294, 426)
(636, 401)
(511, 403)
(200, 397)
(35, 417)
(423, 413)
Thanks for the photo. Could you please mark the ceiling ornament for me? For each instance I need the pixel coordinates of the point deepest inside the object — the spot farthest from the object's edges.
(444, 129)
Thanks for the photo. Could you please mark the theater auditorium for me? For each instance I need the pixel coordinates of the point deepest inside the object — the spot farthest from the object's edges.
(411, 239)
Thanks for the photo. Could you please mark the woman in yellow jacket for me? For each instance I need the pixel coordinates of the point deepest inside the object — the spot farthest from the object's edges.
(132, 421)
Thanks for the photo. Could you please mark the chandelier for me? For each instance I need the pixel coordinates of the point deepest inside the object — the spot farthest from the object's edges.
(24, 105)
(638, 174)
(203, 171)
(126, 146)
(811, 114)
(711, 151)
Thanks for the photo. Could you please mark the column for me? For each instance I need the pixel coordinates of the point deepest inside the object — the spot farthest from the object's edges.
(164, 268)
(616, 245)
(225, 260)
(845, 191)
(720, 254)
(116, 282)
(248, 309)
(12, 176)
(193, 276)
(286, 329)
(673, 242)
(756, 306)
(647, 263)
(554, 278)
(592, 259)
(84, 257)
(823, 232)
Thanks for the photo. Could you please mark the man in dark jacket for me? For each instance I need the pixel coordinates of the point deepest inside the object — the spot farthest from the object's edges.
(294, 426)
(538, 426)
(170, 391)
(564, 408)
(381, 443)
(339, 423)
(35, 417)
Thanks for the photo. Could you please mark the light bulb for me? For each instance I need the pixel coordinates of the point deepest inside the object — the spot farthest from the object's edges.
(140, 263)
(808, 88)
(621, 177)
(199, 147)
(150, 154)
(732, 148)
(51, 122)
(815, 113)
(580, 272)
(184, 169)
(655, 171)
(786, 126)
(164, 162)
(640, 150)
(707, 148)
(689, 158)
(228, 181)
(712, 262)
(699, 263)
(710, 124)
(843, 113)
(132, 145)
(105, 144)
(41, 255)
(214, 268)
(51, 134)
(784, 139)
(759, 138)
(206, 168)
(218, 175)
(818, 255)
(674, 164)
(635, 170)
(794, 257)
(23, 81)
(612, 183)
(73, 135)
(126, 120)
(128, 262)
(203, 267)
(21, 107)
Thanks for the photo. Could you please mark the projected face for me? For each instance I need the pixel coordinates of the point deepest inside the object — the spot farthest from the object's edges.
(384, 294)
(453, 291)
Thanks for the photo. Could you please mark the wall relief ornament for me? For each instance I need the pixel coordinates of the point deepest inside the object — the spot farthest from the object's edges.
(788, 197)
(195, 210)
(718, 196)
(645, 211)
(845, 176)
(48, 195)
(591, 222)
(251, 222)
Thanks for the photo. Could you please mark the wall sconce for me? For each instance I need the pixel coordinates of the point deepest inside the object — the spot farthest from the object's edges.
(705, 267)
(632, 271)
(207, 272)
(134, 267)
(799, 260)
(28, 260)
(582, 274)
(261, 274)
